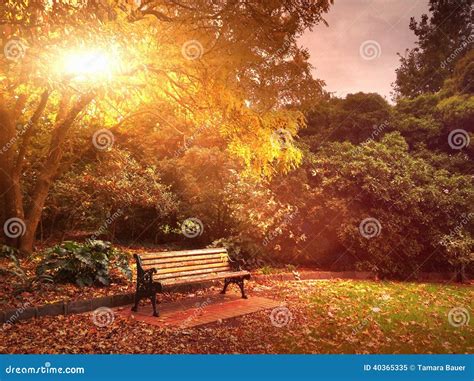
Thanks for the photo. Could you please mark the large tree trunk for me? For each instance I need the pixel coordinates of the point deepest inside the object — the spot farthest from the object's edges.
(11, 165)
(28, 131)
(48, 172)
(9, 188)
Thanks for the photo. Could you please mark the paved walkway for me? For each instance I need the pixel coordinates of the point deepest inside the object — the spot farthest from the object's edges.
(196, 311)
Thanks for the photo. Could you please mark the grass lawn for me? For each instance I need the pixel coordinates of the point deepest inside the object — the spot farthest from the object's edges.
(382, 317)
(324, 316)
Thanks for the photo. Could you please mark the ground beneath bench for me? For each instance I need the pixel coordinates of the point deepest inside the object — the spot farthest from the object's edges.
(326, 316)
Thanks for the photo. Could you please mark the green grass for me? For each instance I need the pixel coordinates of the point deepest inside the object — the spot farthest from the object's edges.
(382, 317)
(268, 270)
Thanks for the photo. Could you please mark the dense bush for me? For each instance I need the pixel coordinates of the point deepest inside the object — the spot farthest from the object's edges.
(113, 195)
(85, 264)
(414, 203)
(336, 120)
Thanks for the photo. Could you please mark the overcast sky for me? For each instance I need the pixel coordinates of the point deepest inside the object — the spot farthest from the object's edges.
(358, 51)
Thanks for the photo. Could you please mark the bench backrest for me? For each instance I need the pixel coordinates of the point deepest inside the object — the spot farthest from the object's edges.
(187, 263)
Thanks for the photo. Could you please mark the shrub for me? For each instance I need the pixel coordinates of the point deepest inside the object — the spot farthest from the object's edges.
(83, 263)
(13, 266)
(409, 204)
(22, 281)
(131, 195)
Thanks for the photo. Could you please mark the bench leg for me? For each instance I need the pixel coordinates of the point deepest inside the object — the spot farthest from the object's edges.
(137, 300)
(240, 282)
(226, 284)
(153, 302)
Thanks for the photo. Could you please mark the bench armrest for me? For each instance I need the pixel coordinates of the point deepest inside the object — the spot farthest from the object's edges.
(144, 276)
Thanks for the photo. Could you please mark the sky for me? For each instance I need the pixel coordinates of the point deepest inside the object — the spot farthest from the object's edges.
(358, 51)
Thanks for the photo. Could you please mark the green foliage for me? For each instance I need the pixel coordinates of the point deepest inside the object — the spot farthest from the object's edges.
(457, 111)
(444, 37)
(244, 248)
(14, 266)
(130, 194)
(427, 120)
(268, 270)
(418, 121)
(23, 280)
(356, 118)
(419, 107)
(343, 184)
(459, 248)
(84, 264)
(413, 202)
(462, 79)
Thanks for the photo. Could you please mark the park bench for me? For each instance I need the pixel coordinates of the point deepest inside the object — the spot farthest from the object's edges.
(158, 271)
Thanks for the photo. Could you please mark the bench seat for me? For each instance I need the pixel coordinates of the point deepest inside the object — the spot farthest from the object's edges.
(156, 271)
(203, 278)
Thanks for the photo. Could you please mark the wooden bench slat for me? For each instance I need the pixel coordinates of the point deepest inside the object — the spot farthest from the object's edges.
(180, 269)
(159, 262)
(171, 265)
(203, 278)
(183, 253)
(189, 273)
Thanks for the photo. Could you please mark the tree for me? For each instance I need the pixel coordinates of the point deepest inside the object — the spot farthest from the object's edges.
(118, 64)
(37, 96)
(439, 126)
(377, 206)
(444, 38)
(459, 249)
(356, 118)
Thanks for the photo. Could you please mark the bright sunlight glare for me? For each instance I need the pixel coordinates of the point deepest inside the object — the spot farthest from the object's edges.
(88, 65)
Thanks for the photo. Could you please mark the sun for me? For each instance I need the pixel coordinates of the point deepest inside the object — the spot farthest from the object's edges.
(88, 65)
